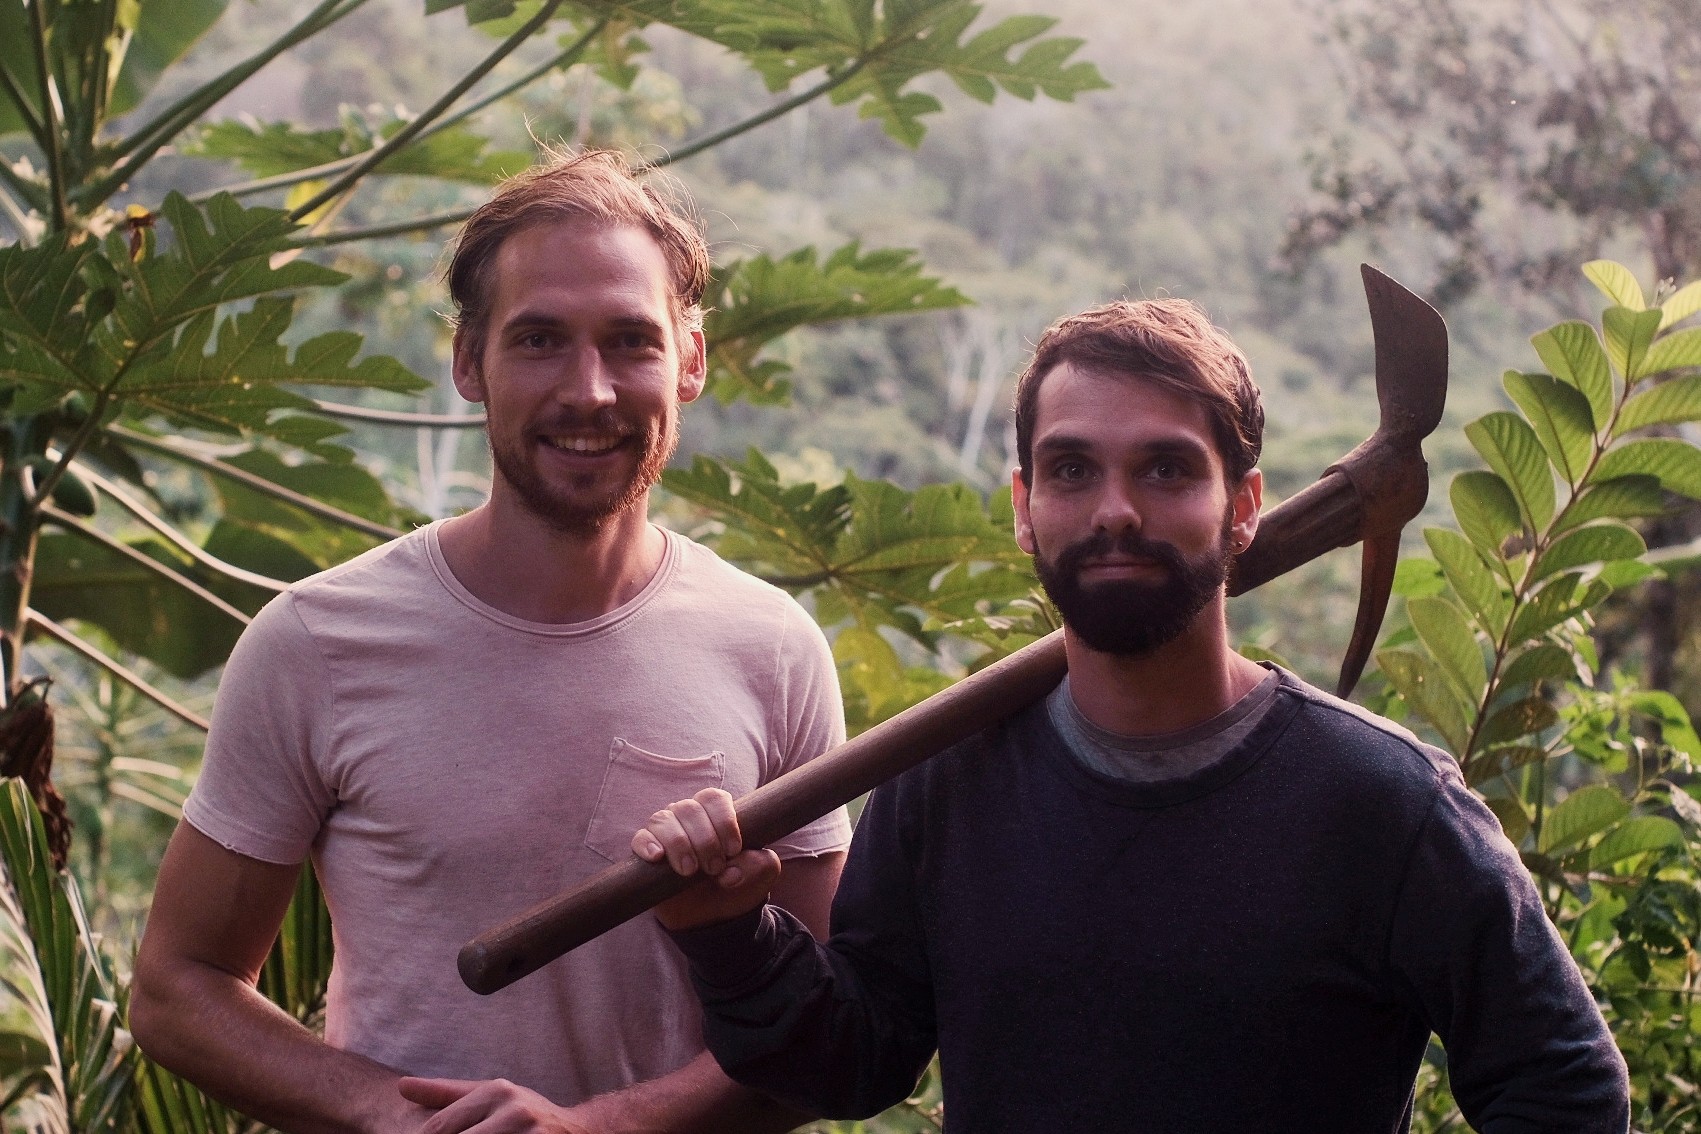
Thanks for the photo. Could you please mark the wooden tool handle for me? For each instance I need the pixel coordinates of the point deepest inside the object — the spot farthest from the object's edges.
(500, 956)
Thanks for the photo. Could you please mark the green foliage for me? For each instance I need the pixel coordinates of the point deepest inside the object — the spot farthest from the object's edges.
(1590, 775)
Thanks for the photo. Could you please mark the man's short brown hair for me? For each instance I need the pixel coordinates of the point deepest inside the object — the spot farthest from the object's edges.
(1166, 341)
(595, 185)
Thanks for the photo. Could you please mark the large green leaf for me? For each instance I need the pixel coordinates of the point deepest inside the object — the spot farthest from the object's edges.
(93, 1052)
(1559, 600)
(1512, 450)
(1543, 662)
(1668, 403)
(784, 533)
(1447, 635)
(453, 153)
(1471, 579)
(1676, 463)
(1560, 416)
(1683, 303)
(1597, 543)
(1635, 836)
(1629, 334)
(1587, 811)
(753, 302)
(1621, 498)
(1675, 351)
(1572, 353)
(1521, 718)
(1616, 282)
(1487, 512)
(1423, 686)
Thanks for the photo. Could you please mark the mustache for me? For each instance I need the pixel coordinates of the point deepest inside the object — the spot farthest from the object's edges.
(1129, 543)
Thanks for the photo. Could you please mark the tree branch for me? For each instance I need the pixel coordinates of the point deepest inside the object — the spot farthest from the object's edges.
(779, 109)
(378, 231)
(258, 483)
(407, 133)
(40, 621)
(37, 129)
(95, 535)
(60, 213)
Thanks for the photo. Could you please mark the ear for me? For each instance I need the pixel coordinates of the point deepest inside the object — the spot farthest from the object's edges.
(466, 368)
(1245, 506)
(693, 366)
(1024, 522)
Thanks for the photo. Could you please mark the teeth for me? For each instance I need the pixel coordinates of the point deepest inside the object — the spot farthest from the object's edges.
(583, 444)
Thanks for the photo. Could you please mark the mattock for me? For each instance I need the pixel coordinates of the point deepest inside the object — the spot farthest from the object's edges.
(1367, 495)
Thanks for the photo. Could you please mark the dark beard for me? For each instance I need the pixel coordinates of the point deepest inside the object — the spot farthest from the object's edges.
(1125, 617)
(586, 516)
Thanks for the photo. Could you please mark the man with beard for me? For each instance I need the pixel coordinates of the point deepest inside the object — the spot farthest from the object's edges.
(461, 723)
(1185, 892)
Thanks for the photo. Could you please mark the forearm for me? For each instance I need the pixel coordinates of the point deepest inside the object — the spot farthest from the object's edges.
(219, 1033)
(696, 1099)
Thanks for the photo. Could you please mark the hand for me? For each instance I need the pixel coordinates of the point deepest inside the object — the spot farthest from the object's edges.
(700, 836)
(493, 1106)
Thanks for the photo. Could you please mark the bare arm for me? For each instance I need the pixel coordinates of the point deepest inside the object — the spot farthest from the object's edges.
(194, 1007)
(696, 1099)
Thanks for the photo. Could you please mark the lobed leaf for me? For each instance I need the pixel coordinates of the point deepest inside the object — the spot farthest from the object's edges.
(1597, 543)
(1629, 334)
(1572, 352)
(1511, 449)
(1587, 811)
(1561, 418)
(1676, 463)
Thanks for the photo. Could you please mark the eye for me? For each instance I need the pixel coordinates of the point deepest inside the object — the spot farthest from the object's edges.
(1070, 471)
(635, 341)
(535, 341)
(1168, 468)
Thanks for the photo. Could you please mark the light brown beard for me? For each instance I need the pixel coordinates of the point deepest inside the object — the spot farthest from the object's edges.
(579, 517)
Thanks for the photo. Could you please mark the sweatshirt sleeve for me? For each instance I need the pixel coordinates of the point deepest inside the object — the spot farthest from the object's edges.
(1527, 1049)
(841, 1030)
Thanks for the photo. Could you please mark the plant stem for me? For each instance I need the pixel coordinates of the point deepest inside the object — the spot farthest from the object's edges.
(131, 678)
(258, 483)
(147, 563)
(60, 213)
(399, 417)
(777, 110)
(37, 129)
(378, 231)
(407, 133)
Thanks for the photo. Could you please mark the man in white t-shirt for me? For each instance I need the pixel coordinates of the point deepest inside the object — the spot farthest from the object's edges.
(476, 716)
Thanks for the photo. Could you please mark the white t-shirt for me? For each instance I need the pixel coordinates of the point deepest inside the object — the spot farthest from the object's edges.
(447, 766)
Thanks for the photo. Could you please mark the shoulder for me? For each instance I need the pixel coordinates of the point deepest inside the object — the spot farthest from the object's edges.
(1354, 734)
(708, 583)
(375, 573)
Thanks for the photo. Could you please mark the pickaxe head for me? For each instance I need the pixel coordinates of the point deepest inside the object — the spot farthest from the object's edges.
(1369, 494)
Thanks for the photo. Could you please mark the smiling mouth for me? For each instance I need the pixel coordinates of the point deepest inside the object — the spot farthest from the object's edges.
(585, 446)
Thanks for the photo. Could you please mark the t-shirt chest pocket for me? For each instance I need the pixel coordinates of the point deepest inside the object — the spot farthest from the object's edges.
(636, 785)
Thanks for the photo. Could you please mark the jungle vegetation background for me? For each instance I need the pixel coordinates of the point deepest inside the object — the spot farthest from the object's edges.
(1246, 153)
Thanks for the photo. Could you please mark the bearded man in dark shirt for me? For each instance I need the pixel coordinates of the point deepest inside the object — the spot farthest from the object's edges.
(1185, 892)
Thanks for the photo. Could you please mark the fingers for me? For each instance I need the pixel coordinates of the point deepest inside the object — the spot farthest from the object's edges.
(434, 1093)
(700, 833)
(494, 1106)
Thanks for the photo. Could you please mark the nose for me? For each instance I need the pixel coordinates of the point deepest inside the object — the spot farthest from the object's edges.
(585, 384)
(1115, 509)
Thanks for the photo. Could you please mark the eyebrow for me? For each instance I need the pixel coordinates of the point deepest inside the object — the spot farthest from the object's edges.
(525, 318)
(1156, 447)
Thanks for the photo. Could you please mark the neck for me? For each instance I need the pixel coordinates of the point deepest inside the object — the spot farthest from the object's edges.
(1180, 684)
(512, 560)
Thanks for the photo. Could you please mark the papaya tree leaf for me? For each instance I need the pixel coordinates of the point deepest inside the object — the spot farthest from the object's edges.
(1471, 579)
(1572, 353)
(753, 302)
(1446, 634)
(1676, 351)
(1620, 498)
(1629, 334)
(1487, 512)
(1635, 836)
(783, 533)
(1675, 462)
(1616, 282)
(1668, 403)
(1561, 418)
(1597, 543)
(1422, 685)
(1511, 449)
(1587, 811)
